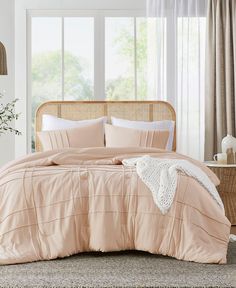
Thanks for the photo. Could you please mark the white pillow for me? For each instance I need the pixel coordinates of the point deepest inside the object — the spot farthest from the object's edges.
(50, 122)
(143, 125)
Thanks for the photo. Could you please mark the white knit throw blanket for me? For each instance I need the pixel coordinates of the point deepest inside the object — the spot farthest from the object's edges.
(160, 176)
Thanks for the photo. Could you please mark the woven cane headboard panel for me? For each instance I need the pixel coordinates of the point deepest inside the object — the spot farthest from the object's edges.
(80, 110)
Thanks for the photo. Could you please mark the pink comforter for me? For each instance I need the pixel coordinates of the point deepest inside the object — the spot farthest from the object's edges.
(58, 203)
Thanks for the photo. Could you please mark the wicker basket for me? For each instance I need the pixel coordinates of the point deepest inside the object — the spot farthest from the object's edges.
(227, 190)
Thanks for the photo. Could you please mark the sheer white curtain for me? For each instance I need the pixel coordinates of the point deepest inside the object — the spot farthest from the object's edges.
(176, 66)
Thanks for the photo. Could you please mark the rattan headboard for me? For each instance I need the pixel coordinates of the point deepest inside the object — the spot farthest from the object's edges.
(80, 110)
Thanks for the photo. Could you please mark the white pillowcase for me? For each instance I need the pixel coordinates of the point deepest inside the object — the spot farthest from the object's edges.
(143, 125)
(50, 122)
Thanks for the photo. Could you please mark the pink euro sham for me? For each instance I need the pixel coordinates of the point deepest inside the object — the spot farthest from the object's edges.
(81, 137)
(127, 137)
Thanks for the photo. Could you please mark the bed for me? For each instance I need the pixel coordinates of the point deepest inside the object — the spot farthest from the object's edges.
(66, 201)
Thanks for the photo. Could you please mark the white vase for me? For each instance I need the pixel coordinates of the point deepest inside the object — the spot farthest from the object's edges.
(228, 142)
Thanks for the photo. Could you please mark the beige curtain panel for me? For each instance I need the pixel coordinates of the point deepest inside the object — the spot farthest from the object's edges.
(220, 74)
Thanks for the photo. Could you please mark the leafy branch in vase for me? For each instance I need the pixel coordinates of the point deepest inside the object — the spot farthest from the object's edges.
(7, 115)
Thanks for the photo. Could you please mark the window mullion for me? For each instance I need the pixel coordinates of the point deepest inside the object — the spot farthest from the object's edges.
(99, 57)
(63, 58)
(171, 59)
(135, 60)
(29, 85)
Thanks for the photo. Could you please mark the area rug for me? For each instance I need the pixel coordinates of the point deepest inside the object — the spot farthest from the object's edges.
(121, 269)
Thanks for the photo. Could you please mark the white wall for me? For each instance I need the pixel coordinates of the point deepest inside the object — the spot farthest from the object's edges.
(21, 8)
(81, 4)
(7, 149)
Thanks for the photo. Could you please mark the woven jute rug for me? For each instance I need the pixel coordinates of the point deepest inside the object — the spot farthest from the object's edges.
(121, 269)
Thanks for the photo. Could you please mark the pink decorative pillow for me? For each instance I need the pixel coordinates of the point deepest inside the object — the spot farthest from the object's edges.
(126, 137)
(87, 136)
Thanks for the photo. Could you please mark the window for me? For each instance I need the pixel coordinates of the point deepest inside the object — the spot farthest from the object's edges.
(62, 59)
(46, 60)
(70, 54)
(126, 58)
(78, 58)
(120, 58)
(190, 85)
(121, 55)
(62, 64)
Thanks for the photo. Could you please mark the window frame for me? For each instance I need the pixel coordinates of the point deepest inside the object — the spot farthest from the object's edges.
(99, 50)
